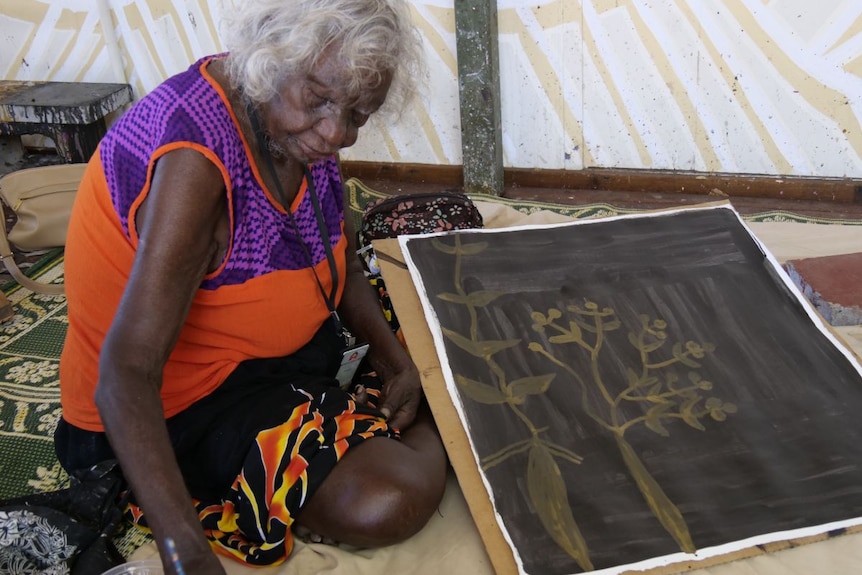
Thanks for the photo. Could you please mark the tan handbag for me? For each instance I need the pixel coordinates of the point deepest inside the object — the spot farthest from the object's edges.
(42, 200)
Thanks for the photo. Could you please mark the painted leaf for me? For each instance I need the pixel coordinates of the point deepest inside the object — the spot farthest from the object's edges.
(650, 347)
(479, 348)
(476, 299)
(459, 248)
(564, 338)
(585, 326)
(656, 426)
(680, 354)
(443, 247)
(662, 507)
(478, 391)
(687, 412)
(502, 455)
(547, 493)
(655, 390)
(633, 377)
(534, 385)
(636, 381)
(560, 451)
(653, 418)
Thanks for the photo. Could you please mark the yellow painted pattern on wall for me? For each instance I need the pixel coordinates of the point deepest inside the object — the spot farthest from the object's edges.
(854, 31)
(746, 86)
(829, 102)
(676, 87)
(613, 92)
(160, 10)
(741, 100)
(135, 21)
(16, 14)
(855, 66)
(443, 18)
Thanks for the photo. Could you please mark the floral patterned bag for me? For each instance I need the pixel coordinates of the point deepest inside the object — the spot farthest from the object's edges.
(67, 531)
(410, 214)
(418, 214)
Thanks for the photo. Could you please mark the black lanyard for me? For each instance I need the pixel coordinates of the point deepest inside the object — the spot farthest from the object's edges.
(321, 224)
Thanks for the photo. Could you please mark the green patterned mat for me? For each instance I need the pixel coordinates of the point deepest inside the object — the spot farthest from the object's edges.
(30, 348)
(359, 195)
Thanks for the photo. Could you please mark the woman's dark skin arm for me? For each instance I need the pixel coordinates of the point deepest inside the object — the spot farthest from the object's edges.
(361, 312)
(382, 491)
(182, 229)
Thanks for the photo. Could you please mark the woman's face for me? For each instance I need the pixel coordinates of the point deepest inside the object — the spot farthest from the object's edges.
(313, 116)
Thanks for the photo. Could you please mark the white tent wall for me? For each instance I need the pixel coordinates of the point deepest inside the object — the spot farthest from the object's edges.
(734, 86)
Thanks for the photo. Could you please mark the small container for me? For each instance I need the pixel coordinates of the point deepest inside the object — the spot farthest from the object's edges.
(151, 566)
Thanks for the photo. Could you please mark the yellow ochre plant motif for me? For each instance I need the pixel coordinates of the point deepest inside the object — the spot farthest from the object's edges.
(661, 398)
(545, 485)
(653, 390)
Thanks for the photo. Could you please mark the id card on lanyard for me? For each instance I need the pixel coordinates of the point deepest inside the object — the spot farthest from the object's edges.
(350, 360)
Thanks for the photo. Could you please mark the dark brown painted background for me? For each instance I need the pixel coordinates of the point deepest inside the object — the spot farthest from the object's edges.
(790, 457)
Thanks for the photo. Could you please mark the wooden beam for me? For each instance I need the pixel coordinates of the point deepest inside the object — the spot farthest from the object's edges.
(479, 89)
(444, 175)
(701, 183)
(527, 183)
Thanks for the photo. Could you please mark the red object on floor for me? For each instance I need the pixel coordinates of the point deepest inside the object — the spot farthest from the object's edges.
(833, 284)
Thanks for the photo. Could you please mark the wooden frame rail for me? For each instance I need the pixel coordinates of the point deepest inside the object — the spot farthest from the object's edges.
(718, 185)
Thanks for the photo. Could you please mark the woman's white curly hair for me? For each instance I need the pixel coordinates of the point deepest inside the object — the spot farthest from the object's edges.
(272, 40)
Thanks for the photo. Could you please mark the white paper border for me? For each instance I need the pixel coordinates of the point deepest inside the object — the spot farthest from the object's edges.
(663, 560)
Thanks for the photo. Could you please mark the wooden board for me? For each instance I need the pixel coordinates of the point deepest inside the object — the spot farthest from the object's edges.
(419, 340)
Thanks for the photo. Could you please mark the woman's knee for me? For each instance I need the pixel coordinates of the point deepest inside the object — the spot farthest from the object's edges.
(382, 492)
(392, 508)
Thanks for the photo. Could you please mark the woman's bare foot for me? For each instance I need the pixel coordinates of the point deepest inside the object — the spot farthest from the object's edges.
(308, 536)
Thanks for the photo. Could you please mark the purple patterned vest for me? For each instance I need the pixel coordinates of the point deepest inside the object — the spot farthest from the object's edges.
(188, 109)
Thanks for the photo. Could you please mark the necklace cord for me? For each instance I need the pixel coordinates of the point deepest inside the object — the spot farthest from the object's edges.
(318, 214)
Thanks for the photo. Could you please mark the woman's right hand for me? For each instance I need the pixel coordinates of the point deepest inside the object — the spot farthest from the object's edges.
(205, 562)
(360, 394)
(179, 227)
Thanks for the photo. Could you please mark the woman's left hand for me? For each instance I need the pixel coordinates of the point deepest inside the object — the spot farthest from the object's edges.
(400, 397)
(360, 309)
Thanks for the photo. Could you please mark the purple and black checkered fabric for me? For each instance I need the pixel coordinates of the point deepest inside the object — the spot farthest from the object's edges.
(187, 109)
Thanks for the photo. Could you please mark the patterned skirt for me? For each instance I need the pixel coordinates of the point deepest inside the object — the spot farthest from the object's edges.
(254, 451)
(281, 468)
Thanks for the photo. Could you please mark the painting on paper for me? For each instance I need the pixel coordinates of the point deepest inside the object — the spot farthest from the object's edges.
(641, 390)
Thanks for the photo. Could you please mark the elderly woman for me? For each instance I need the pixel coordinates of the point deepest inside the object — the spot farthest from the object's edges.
(211, 280)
